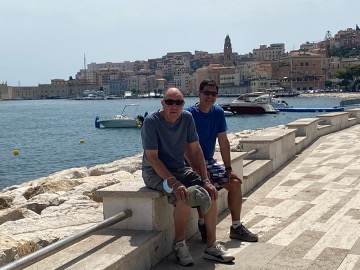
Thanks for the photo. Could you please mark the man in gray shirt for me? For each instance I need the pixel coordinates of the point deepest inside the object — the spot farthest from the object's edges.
(165, 134)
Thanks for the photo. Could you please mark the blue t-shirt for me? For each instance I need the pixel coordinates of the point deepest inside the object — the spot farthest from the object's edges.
(208, 125)
(168, 138)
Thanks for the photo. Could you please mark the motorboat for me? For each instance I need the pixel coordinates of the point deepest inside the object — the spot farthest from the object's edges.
(121, 120)
(243, 105)
(229, 113)
(128, 94)
(273, 101)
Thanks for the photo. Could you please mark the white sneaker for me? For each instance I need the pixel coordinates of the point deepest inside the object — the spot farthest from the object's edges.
(217, 252)
(182, 254)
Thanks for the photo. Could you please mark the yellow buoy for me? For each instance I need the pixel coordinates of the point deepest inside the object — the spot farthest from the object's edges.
(139, 126)
(82, 141)
(16, 152)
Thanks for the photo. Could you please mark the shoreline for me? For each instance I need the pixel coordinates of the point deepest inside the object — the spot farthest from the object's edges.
(345, 95)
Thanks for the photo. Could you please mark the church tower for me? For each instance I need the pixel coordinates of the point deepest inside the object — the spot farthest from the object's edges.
(228, 55)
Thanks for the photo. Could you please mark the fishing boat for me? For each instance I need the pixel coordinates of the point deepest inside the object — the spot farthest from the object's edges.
(243, 105)
(121, 120)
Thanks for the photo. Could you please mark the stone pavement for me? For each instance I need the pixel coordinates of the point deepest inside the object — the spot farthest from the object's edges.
(307, 214)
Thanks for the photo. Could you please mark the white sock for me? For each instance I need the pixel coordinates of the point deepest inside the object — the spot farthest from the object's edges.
(183, 242)
(236, 224)
(201, 221)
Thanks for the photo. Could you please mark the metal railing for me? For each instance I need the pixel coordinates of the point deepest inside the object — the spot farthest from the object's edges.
(239, 148)
(64, 243)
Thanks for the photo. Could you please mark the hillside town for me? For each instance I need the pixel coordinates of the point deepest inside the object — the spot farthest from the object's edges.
(312, 67)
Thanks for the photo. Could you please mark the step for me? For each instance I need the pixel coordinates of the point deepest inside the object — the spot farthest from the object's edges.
(106, 249)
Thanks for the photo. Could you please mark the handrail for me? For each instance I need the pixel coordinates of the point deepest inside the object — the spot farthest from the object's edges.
(64, 243)
(251, 152)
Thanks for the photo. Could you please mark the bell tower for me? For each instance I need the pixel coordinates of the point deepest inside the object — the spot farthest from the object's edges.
(228, 55)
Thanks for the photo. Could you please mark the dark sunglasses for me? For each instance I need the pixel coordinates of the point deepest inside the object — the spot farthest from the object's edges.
(208, 93)
(171, 102)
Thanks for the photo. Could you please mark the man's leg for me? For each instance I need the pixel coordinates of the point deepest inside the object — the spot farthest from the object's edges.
(214, 250)
(210, 223)
(181, 214)
(180, 249)
(234, 199)
(237, 230)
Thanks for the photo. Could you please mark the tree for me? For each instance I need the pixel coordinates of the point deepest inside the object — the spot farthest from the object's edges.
(350, 77)
(328, 84)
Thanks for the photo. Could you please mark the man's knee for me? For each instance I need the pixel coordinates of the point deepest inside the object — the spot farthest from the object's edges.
(234, 186)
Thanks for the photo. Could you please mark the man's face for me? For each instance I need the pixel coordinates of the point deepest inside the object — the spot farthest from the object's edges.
(173, 103)
(208, 95)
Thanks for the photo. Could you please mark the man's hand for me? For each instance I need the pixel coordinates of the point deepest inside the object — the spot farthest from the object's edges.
(180, 191)
(213, 193)
(231, 175)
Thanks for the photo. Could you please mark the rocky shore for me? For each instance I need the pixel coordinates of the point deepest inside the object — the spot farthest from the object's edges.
(45, 210)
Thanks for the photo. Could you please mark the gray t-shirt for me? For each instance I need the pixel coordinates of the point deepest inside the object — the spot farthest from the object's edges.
(168, 138)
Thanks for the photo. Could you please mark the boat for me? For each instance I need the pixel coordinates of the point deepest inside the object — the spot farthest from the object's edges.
(282, 92)
(271, 99)
(121, 120)
(243, 105)
(229, 113)
(128, 94)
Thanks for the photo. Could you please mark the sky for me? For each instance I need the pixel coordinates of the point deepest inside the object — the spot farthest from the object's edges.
(48, 39)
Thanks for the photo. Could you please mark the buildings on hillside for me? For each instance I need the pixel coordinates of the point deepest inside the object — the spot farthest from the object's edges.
(304, 69)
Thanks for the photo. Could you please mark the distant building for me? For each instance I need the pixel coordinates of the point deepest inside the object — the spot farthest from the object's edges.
(273, 52)
(300, 70)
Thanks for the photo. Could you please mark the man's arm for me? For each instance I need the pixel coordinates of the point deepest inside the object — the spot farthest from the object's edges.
(190, 159)
(179, 189)
(197, 158)
(225, 155)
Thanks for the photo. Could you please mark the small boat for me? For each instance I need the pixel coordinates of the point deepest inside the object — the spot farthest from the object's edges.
(229, 113)
(121, 120)
(128, 94)
(243, 105)
(271, 99)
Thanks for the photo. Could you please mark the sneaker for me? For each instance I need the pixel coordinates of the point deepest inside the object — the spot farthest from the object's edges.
(202, 230)
(243, 234)
(217, 252)
(182, 254)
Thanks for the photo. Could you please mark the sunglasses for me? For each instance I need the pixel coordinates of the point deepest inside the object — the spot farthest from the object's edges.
(208, 93)
(171, 102)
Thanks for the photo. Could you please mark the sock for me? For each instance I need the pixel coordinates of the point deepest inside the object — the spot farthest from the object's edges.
(201, 221)
(180, 242)
(236, 224)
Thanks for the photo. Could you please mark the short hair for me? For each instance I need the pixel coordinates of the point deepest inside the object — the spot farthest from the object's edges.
(208, 82)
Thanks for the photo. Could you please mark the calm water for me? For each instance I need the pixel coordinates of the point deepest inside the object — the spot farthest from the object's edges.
(47, 133)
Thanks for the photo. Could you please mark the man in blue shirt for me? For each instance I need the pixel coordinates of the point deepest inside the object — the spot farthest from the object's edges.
(211, 125)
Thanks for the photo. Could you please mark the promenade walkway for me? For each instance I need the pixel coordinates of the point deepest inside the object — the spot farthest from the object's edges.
(307, 214)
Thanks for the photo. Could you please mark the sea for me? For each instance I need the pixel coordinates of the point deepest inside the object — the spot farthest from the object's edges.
(54, 135)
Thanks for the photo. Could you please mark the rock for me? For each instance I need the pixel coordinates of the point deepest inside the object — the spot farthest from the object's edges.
(5, 202)
(8, 249)
(14, 214)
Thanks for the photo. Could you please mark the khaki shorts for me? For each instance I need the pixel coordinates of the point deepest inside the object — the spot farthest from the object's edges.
(184, 175)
